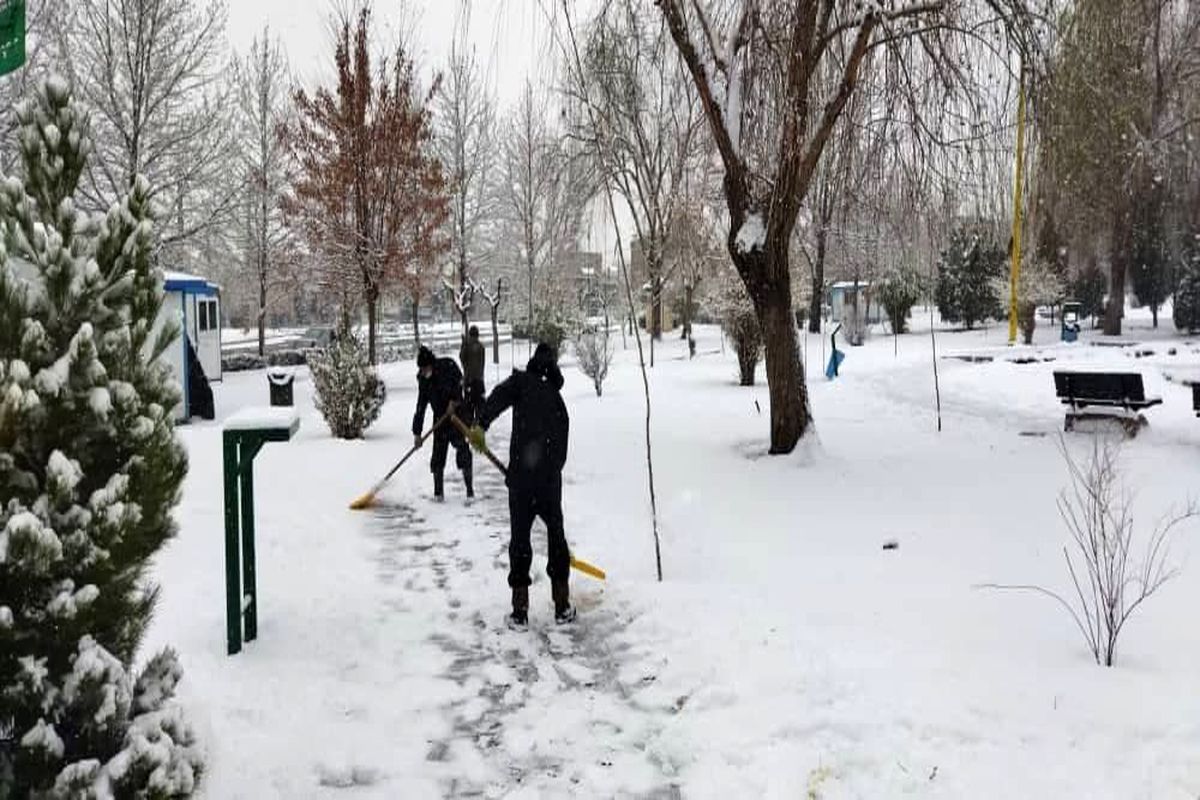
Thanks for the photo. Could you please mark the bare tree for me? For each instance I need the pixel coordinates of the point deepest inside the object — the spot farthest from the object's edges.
(651, 118)
(494, 299)
(262, 111)
(544, 191)
(758, 69)
(465, 119)
(153, 73)
(1108, 584)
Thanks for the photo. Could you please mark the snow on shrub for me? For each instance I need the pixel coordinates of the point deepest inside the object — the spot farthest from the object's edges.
(91, 471)
(740, 323)
(348, 392)
(594, 352)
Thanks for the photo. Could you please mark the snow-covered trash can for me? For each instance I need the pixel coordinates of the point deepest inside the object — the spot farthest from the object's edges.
(280, 382)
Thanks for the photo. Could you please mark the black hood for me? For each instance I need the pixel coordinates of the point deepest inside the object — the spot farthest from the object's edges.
(542, 364)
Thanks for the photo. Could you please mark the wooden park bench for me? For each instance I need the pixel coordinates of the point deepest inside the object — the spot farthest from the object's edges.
(1115, 390)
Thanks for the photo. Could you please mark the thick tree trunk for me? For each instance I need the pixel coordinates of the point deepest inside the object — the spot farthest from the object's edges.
(1154, 315)
(1117, 270)
(496, 334)
(771, 292)
(818, 284)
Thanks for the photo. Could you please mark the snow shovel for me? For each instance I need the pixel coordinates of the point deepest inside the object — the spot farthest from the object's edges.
(579, 564)
(367, 500)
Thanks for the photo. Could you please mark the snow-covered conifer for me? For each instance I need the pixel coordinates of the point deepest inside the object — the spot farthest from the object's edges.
(91, 470)
(348, 392)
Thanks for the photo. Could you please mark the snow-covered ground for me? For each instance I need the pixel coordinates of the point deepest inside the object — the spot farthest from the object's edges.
(786, 654)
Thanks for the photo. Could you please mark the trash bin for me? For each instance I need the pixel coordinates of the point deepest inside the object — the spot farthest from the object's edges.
(280, 382)
(1070, 320)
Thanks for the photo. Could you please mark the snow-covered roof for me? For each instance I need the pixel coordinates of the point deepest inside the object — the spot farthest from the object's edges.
(184, 282)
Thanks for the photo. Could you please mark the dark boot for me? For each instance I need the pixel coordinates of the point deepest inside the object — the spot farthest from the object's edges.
(469, 480)
(520, 607)
(563, 610)
(439, 489)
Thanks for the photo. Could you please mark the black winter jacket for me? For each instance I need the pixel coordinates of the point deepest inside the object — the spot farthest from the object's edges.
(438, 390)
(537, 451)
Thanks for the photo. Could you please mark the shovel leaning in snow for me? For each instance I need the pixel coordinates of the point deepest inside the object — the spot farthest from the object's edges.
(368, 499)
(579, 564)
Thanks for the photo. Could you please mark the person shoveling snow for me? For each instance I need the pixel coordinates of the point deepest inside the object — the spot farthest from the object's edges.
(440, 384)
(537, 454)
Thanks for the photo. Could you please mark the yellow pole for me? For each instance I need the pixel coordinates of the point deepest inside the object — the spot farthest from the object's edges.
(1016, 231)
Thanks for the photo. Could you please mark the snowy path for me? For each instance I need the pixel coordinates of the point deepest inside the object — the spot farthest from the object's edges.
(532, 705)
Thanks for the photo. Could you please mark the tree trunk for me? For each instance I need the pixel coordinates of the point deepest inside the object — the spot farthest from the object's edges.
(688, 292)
(1154, 315)
(495, 334)
(1118, 267)
(262, 312)
(372, 310)
(416, 321)
(785, 374)
(818, 284)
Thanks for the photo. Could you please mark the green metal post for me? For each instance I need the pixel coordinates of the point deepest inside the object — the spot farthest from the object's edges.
(233, 581)
(249, 449)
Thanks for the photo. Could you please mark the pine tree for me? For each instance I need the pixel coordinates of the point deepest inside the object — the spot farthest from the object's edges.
(1187, 292)
(349, 393)
(965, 289)
(91, 470)
(899, 291)
(1151, 268)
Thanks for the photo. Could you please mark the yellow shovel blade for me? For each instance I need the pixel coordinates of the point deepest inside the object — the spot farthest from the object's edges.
(365, 501)
(587, 569)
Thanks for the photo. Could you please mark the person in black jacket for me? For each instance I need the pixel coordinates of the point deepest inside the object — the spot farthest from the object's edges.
(473, 358)
(537, 453)
(439, 383)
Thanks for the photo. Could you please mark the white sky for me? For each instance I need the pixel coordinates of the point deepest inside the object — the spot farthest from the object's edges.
(512, 38)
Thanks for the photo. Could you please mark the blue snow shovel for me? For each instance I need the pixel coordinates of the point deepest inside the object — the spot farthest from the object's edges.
(836, 357)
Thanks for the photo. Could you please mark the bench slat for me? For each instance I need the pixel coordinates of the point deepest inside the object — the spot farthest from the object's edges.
(1122, 389)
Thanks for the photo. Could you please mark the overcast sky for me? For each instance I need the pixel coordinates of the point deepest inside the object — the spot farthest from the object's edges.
(512, 38)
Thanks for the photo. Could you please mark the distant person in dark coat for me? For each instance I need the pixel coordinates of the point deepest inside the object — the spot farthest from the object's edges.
(537, 454)
(473, 358)
(439, 384)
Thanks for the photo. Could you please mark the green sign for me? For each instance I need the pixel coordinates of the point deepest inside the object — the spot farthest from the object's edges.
(12, 35)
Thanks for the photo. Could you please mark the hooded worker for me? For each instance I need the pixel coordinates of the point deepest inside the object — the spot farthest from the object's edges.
(537, 453)
(473, 358)
(439, 383)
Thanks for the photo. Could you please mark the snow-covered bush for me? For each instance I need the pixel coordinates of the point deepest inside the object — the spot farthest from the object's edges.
(594, 352)
(899, 291)
(551, 325)
(740, 324)
(1108, 582)
(1039, 285)
(1187, 292)
(965, 290)
(348, 392)
(91, 470)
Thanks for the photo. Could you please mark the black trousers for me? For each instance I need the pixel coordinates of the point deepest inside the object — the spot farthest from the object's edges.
(473, 399)
(525, 503)
(443, 438)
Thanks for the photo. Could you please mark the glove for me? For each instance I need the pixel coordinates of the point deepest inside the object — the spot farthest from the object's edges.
(477, 438)
(417, 440)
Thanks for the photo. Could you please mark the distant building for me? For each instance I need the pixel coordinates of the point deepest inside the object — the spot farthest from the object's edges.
(844, 296)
